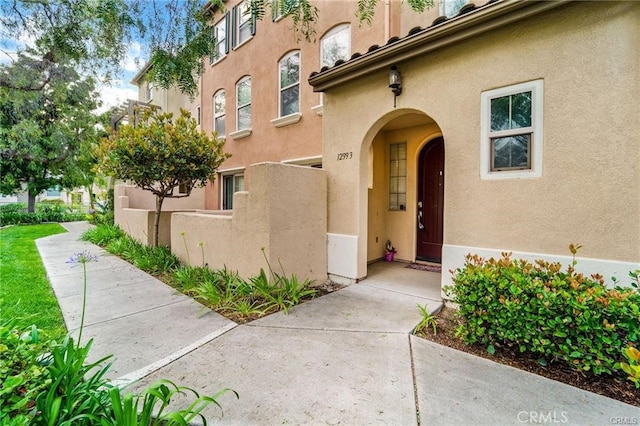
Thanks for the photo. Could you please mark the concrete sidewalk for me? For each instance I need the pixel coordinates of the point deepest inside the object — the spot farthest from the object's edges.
(346, 358)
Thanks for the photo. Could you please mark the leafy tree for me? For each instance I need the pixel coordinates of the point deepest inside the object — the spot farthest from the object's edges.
(88, 35)
(160, 154)
(82, 171)
(93, 35)
(41, 130)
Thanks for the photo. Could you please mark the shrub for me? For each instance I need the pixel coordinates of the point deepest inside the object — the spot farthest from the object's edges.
(22, 374)
(103, 234)
(14, 214)
(540, 309)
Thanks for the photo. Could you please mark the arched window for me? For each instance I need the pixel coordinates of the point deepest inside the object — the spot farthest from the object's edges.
(219, 112)
(289, 84)
(335, 44)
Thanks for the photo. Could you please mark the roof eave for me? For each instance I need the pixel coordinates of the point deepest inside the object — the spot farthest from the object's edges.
(136, 78)
(454, 30)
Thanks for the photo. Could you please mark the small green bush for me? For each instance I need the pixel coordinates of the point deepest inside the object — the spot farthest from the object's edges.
(22, 374)
(540, 309)
(103, 234)
(15, 214)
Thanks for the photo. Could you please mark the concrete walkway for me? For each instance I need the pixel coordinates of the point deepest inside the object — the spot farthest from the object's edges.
(343, 359)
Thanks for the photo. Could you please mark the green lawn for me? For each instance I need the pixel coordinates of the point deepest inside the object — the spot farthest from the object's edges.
(24, 289)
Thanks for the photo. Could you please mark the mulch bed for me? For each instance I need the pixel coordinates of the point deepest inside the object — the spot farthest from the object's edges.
(614, 386)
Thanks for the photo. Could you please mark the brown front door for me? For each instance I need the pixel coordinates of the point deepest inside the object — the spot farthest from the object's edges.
(430, 201)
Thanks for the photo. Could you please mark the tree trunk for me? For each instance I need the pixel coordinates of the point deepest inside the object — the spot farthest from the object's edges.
(156, 222)
(31, 201)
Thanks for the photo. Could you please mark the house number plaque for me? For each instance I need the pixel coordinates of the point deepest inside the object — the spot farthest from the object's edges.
(345, 156)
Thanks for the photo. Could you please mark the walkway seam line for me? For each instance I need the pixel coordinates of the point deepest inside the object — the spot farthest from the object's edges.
(143, 372)
(415, 382)
(285, 327)
(130, 314)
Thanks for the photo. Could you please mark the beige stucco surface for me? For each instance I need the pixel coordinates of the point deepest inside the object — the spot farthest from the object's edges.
(588, 58)
(141, 199)
(283, 214)
(134, 212)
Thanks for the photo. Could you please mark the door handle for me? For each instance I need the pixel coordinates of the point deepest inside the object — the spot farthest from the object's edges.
(420, 225)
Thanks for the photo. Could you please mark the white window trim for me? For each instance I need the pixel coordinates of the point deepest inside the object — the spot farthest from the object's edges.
(276, 16)
(238, 171)
(287, 119)
(236, 26)
(224, 113)
(238, 107)
(333, 31)
(318, 109)
(280, 89)
(536, 88)
(224, 21)
(240, 134)
(149, 92)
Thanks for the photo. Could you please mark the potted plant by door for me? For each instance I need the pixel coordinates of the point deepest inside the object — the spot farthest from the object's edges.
(389, 251)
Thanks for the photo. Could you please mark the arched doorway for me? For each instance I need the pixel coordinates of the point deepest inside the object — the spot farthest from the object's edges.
(430, 201)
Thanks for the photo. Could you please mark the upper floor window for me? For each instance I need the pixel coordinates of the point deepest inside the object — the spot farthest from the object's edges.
(220, 39)
(511, 127)
(451, 8)
(278, 9)
(244, 22)
(243, 103)
(336, 44)
(219, 112)
(289, 67)
(149, 91)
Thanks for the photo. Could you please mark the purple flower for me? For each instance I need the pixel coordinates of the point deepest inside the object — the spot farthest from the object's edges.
(82, 257)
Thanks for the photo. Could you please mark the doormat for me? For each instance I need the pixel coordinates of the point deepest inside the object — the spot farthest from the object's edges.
(421, 267)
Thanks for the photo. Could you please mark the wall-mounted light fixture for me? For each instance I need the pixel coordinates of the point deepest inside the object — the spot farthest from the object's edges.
(395, 83)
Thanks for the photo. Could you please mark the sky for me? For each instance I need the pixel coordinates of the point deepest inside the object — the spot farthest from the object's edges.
(119, 90)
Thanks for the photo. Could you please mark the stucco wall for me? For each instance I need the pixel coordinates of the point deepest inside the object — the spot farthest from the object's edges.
(141, 199)
(284, 213)
(138, 224)
(589, 190)
(134, 212)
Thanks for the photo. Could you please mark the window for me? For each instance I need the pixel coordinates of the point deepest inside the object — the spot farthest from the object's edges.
(149, 92)
(336, 44)
(278, 9)
(511, 132)
(451, 8)
(54, 191)
(230, 185)
(243, 103)
(197, 117)
(244, 23)
(290, 84)
(398, 176)
(218, 113)
(220, 40)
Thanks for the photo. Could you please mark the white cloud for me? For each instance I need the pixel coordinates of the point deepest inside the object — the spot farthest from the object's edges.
(131, 62)
(116, 94)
